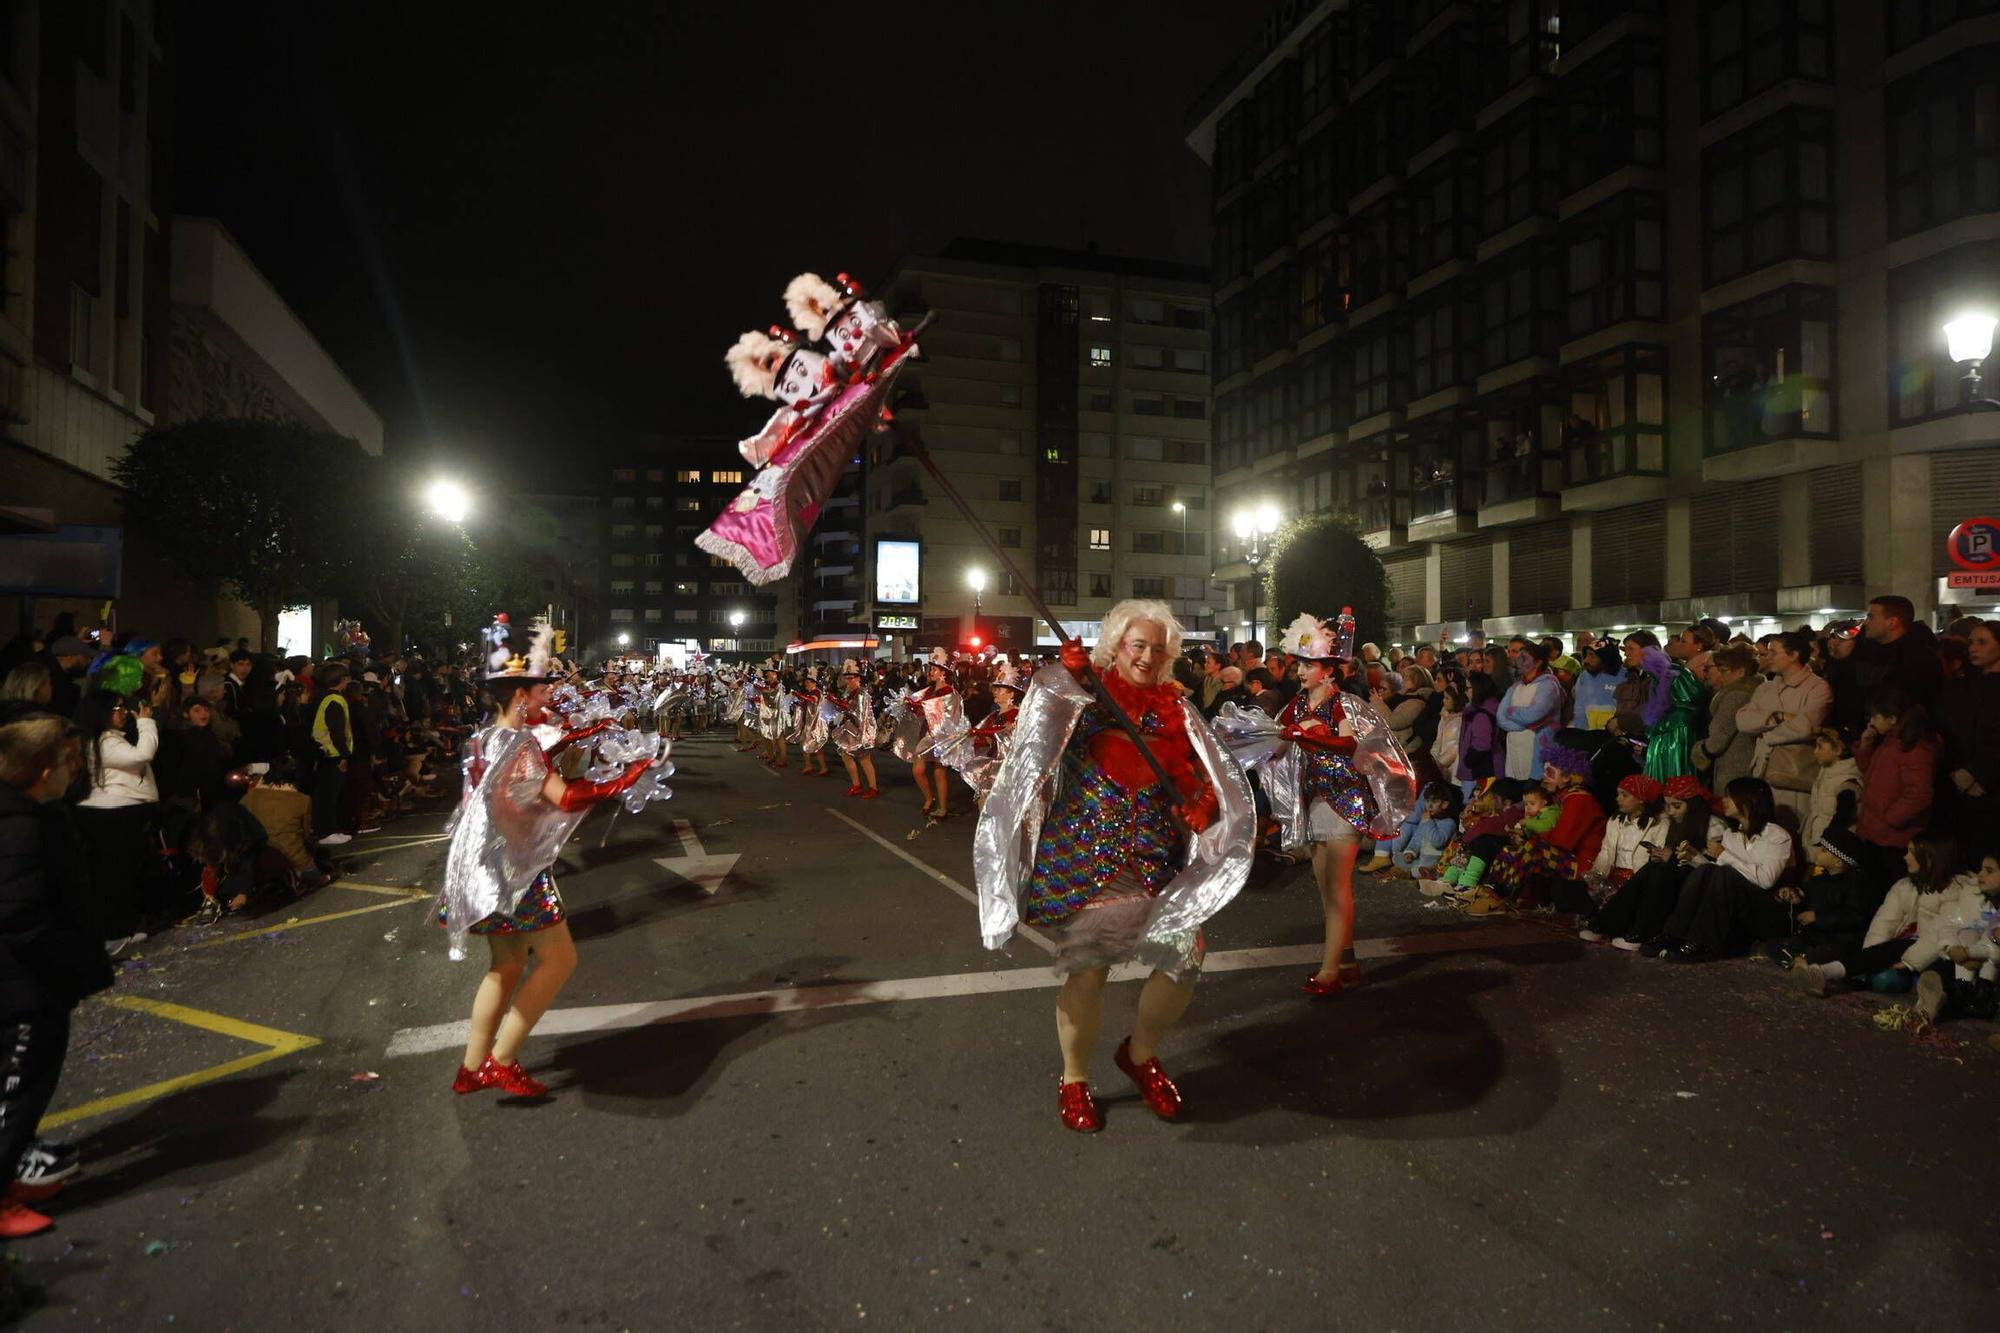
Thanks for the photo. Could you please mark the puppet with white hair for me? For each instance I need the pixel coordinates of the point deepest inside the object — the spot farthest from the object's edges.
(772, 365)
(856, 331)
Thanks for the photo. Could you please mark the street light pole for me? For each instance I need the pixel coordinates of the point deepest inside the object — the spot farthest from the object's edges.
(1254, 529)
(1181, 509)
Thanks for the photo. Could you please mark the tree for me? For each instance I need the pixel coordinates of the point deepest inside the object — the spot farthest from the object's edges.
(1319, 563)
(256, 507)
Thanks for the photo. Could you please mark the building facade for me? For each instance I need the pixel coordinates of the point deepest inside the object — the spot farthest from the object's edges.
(1066, 396)
(1609, 312)
(653, 585)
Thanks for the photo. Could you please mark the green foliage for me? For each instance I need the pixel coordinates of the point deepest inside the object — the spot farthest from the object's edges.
(1319, 563)
(255, 507)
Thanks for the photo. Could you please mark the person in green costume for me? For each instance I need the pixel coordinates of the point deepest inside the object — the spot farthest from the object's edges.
(1669, 743)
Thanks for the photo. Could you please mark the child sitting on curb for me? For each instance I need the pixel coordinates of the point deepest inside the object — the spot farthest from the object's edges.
(1629, 836)
(1496, 809)
(1835, 903)
(1527, 870)
(1426, 833)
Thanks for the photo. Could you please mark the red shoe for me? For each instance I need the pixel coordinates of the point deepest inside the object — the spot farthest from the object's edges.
(472, 1080)
(871, 795)
(1347, 978)
(18, 1220)
(512, 1079)
(1078, 1107)
(783, 763)
(22, 1192)
(1154, 1085)
(856, 789)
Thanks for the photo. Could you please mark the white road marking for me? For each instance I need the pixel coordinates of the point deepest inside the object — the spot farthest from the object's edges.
(696, 866)
(841, 994)
(1026, 932)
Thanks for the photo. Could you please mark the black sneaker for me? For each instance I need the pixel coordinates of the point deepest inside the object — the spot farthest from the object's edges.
(47, 1163)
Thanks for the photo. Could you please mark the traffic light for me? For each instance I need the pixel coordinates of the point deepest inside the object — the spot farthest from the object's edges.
(562, 642)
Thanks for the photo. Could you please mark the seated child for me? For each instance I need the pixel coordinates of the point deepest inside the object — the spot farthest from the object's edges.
(1904, 931)
(1529, 867)
(1497, 806)
(1637, 910)
(1426, 833)
(1833, 906)
(1639, 825)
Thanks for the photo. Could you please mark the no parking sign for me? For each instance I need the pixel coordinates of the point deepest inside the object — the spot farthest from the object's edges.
(1974, 546)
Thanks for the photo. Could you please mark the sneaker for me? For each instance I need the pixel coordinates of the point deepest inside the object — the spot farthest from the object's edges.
(18, 1220)
(47, 1163)
(336, 839)
(1809, 978)
(1484, 902)
(1930, 995)
(113, 948)
(210, 912)
(1629, 946)
(1375, 865)
(1589, 936)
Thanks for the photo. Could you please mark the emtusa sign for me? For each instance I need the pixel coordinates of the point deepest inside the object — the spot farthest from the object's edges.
(1974, 546)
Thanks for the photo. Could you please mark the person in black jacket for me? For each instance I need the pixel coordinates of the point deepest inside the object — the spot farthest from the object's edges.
(50, 959)
(1897, 650)
(1832, 908)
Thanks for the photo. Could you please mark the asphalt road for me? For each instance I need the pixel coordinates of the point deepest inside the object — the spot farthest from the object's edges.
(812, 1100)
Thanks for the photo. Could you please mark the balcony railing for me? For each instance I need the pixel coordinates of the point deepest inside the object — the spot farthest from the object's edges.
(1522, 477)
(1438, 497)
(1594, 458)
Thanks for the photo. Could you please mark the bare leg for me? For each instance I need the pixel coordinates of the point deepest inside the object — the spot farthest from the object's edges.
(943, 788)
(868, 767)
(921, 771)
(847, 762)
(1162, 1001)
(555, 959)
(1079, 1013)
(1333, 869)
(503, 975)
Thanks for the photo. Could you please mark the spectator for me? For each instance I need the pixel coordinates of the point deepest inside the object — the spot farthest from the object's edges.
(1832, 907)
(1425, 834)
(285, 813)
(1897, 756)
(1211, 683)
(1262, 694)
(1479, 734)
(1639, 825)
(194, 774)
(1232, 691)
(1969, 714)
(1850, 700)
(1497, 808)
(241, 664)
(49, 959)
(333, 737)
(1783, 713)
(1531, 711)
(1959, 981)
(120, 741)
(1451, 716)
(1637, 911)
(1727, 752)
(68, 655)
(28, 683)
(1897, 651)
(1836, 789)
(1905, 936)
(1595, 701)
(1733, 901)
(1528, 870)
(1405, 705)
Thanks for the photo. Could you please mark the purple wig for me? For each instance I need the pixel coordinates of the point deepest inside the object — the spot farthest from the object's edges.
(1565, 760)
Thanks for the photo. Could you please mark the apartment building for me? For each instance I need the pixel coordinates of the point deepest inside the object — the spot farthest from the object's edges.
(1610, 312)
(653, 585)
(1066, 395)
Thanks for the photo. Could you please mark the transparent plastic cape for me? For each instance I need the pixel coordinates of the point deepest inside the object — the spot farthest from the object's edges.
(1010, 824)
(810, 717)
(1257, 742)
(503, 834)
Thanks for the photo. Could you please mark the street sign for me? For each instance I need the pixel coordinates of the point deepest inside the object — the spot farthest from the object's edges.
(1985, 580)
(1975, 545)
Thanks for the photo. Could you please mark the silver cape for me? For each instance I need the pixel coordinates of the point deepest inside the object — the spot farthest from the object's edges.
(1010, 823)
(809, 718)
(503, 834)
(855, 731)
(1259, 743)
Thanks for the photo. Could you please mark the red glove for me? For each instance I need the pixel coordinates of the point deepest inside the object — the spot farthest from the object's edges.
(570, 738)
(1076, 658)
(583, 793)
(1200, 809)
(1326, 740)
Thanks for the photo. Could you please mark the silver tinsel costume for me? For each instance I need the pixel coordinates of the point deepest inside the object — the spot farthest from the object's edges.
(504, 834)
(1258, 742)
(854, 730)
(1010, 826)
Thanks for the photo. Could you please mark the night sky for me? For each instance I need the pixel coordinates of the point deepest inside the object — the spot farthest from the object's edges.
(521, 229)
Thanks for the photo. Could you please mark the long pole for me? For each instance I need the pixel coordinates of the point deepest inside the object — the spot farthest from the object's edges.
(1034, 596)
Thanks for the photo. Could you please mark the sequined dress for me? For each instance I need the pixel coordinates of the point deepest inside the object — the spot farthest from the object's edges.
(1325, 774)
(504, 837)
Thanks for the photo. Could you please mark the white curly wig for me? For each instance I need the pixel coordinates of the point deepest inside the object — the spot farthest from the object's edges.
(1120, 618)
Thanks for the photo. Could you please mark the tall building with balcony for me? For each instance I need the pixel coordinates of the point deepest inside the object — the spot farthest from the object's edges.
(654, 585)
(1065, 394)
(1604, 312)
(828, 572)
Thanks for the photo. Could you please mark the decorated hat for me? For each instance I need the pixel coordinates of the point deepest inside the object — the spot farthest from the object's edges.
(850, 668)
(504, 664)
(1314, 640)
(939, 658)
(757, 361)
(813, 302)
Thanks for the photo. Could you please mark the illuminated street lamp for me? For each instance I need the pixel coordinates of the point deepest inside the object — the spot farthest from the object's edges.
(624, 640)
(1254, 528)
(1969, 339)
(975, 579)
(448, 500)
(1181, 509)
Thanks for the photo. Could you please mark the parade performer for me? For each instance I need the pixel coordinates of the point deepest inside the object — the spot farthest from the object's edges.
(854, 731)
(1344, 779)
(856, 331)
(810, 726)
(772, 702)
(747, 700)
(1078, 833)
(934, 709)
(515, 815)
(994, 735)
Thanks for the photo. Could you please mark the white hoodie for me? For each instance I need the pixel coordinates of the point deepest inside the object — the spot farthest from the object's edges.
(125, 773)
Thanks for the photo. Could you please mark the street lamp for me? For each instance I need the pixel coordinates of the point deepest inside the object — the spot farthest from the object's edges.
(1254, 528)
(975, 579)
(624, 640)
(1969, 339)
(448, 500)
(1181, 508)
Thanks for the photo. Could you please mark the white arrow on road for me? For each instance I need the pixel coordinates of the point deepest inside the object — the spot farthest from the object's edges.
(695, 865)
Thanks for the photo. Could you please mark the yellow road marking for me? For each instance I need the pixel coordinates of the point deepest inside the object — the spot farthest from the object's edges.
(390, 890)
(283, 926)
(275, 1042)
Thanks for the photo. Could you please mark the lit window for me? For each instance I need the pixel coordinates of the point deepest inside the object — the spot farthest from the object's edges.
(687, 589)
(727, 477)
(1100, 539)
(686, 615)
(621, 613)
(1100, 356)
(687, 475)
(653, 613)
(688, 505)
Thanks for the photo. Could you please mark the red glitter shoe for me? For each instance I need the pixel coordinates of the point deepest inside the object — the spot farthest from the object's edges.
(473, 1080)
(1078, 1107)
(856, 789)
(1154, 1085)
(1347, 978)
(512, 1079)
(871, 795)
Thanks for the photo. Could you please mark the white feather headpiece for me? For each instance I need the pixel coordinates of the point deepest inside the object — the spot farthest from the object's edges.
(812, 302)
(753, 364)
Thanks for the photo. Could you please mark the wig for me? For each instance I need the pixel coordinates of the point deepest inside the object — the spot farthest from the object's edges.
(1120, 619)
